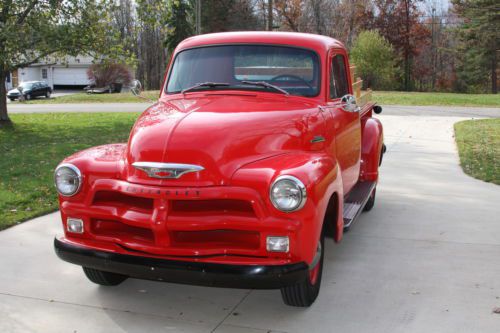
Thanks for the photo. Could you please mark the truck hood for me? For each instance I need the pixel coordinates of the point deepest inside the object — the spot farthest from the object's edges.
(219, 133)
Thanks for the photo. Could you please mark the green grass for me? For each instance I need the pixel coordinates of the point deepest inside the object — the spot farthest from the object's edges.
(446, 99)
(31, 149)
(382, 97)
(97, 98)
(478, 144)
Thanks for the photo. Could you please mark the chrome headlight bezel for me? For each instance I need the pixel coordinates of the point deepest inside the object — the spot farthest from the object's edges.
(299, 186)
(77, 176)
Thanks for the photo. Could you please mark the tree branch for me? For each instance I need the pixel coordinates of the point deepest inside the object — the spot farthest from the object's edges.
(26, 12)
(36, 59)
(5, 11)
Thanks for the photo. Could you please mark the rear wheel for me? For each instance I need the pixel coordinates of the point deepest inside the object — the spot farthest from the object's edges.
(28, 97)
(47, 94)
(305, 293)
(104, 278)
(371, 201)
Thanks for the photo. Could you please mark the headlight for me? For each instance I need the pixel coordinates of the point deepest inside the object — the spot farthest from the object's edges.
(288, 194)
(68, 179)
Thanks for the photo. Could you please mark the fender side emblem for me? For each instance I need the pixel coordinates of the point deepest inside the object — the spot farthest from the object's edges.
(317, 138)
(166, 170)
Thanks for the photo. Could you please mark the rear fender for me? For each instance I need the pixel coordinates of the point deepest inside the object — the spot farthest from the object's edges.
(371, 148)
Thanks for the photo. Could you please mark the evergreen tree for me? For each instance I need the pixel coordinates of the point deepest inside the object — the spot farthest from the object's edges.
(479, 36)
(179, 23)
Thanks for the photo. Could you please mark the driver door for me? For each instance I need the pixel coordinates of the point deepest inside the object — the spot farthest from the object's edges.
(347, 125)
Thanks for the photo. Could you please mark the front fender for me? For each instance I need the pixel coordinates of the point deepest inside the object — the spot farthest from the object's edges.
(321, 176)
(104, 161)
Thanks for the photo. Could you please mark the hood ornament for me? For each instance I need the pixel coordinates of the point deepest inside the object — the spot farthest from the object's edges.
(166, 170)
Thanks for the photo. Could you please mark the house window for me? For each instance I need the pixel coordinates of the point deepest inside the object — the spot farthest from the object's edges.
(8, 77)
(44, 73)
(338, 78)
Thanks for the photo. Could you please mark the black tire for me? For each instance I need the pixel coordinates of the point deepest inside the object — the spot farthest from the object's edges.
(371, 201)
(27, 97)
(104, 278)
(12, 99)
(305, 293)
(47, 94)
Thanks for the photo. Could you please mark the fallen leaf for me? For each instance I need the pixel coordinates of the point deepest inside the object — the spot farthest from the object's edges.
(496, 310)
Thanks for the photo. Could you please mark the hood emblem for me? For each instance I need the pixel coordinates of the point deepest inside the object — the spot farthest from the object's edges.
(166, 170)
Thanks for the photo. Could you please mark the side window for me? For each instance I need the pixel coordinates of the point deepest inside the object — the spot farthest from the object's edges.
(338, 77)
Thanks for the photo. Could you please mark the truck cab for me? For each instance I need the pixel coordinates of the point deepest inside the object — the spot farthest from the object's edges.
(259, 146)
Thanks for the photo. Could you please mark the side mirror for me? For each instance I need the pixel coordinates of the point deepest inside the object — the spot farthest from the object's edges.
(349, 103)
(136, 87)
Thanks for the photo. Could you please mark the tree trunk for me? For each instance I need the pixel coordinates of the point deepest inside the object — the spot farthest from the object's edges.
(4, 117)
(270, 15)
(494, 88)
(407, 60)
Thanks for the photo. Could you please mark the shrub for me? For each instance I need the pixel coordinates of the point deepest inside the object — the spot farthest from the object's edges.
(374, 58)
(103, 75)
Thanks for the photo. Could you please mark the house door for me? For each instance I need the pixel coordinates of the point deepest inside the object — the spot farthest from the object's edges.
(15, 78)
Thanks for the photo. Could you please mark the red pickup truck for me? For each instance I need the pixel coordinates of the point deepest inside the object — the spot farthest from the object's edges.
(254, 153)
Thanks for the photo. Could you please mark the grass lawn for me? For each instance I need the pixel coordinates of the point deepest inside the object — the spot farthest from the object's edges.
(478, 144)
(382, 97)
(31, 149)
(424, 98)
(97, 98)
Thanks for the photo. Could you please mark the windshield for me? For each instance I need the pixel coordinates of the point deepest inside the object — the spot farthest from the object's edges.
(292, 69)
(25, 86)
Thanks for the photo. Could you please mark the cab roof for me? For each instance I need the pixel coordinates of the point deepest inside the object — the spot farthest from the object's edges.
(318, 43)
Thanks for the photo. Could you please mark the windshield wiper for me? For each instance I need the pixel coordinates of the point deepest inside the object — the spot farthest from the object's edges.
(205, 84)
(266, 85)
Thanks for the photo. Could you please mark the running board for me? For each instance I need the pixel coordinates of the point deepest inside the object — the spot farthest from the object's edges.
(356, 201)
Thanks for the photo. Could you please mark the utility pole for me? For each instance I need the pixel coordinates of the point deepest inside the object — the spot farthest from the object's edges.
(198, 17)
(270, 15)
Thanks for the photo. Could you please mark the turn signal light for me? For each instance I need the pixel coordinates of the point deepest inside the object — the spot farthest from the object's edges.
(277, 244)
(74, 225)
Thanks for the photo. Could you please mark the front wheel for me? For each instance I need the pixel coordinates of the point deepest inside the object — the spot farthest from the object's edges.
(47, 94)
(304, 294)
(104, 278)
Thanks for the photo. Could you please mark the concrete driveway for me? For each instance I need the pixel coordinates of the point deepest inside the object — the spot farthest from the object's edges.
(425, 259)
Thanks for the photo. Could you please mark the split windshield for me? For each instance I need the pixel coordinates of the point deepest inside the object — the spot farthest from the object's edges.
(236, 67)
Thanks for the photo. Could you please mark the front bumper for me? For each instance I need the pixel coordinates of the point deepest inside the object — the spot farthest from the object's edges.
(185, 272)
